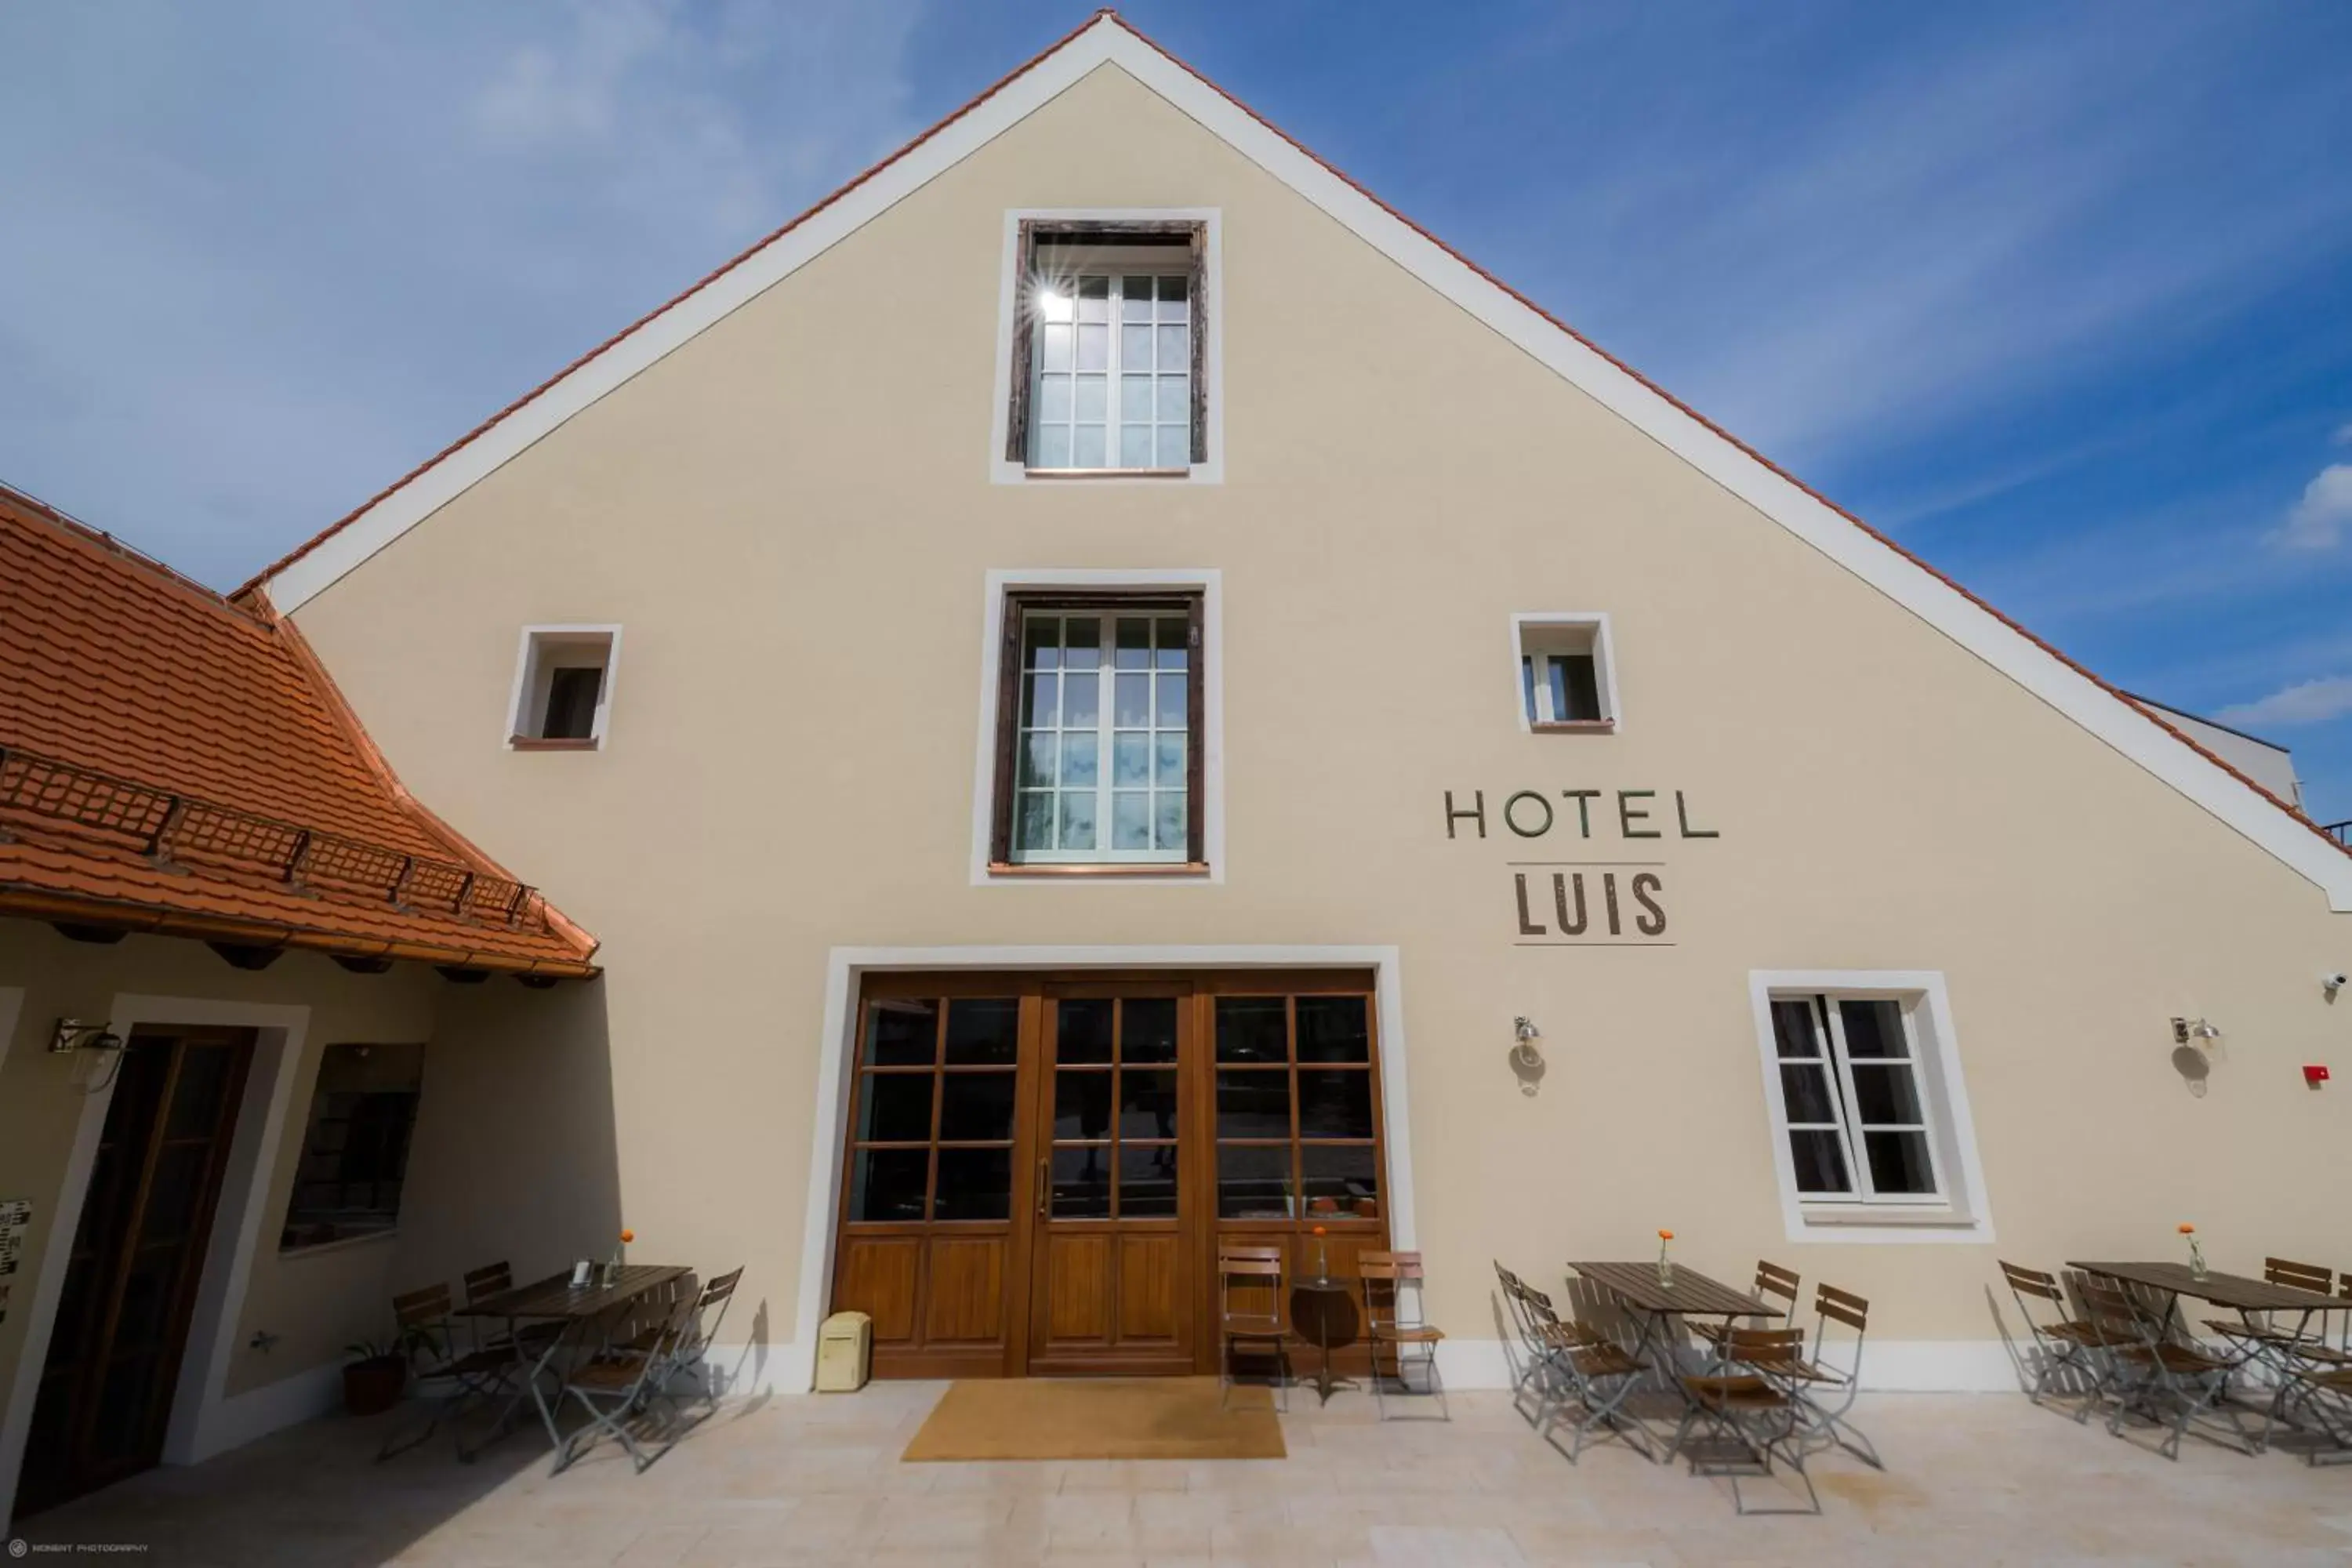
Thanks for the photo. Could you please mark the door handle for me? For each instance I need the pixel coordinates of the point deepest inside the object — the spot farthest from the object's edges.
(1043, 1163)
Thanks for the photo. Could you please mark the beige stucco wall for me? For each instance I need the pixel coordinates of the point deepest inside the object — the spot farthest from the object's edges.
(315, 1301)
(791, 517)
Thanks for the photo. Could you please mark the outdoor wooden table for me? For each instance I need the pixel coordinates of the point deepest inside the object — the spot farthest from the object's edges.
(2237, 1292)
(1656, 1303)
(578, 1308)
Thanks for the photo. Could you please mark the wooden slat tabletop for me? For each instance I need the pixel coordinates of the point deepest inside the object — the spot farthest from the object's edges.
(1692, 1292)
(2234, 1292)
(554, 1296)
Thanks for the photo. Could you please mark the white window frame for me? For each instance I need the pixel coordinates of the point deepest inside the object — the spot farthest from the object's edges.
(544, 650)
(1115, 265)
(1959, 1212)
(1106, 730)
(1207, 312)
(1001, 585)
(1530, 627)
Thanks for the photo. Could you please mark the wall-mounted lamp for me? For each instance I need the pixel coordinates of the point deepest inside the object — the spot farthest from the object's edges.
(2331, 984)
(1527, 1058)
(72, 1034)
(2184, 1030)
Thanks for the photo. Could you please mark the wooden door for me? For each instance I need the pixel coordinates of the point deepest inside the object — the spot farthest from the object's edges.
(105, 1395)
(1113, 1205)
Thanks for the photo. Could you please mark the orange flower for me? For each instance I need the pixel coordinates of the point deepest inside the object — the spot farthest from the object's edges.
(627, 1237)
(1319, 1230)
(2188, 1229)
(1666, 1235)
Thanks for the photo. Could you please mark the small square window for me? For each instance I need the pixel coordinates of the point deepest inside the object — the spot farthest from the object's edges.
(563, 688)
(1565, 679)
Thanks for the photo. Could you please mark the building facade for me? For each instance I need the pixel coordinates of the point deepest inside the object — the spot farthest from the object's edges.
(1103, 692)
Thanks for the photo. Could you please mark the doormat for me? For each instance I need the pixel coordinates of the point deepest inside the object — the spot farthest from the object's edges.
(1098, 1418)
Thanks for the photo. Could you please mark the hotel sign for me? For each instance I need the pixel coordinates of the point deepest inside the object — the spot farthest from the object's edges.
(1584, 902)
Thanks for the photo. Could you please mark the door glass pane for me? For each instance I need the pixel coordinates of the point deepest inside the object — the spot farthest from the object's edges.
(1079, 818)
(1148, 1029)
(146, 1291)
(1898, 1163)
(1138, 294)
(1131, 819)
(1873, 1029)
(1039, 696)
(1254, 1180)
(1041, 642)
(887, 1184)
(1168, 820)
(976, 1107)
(1146, 1180)
(1885, 1094)
(974, 1183)
(196, 1098)
(1172, 700)
(1081, 1181)
(1343, 1176)
(172, 1195)
(1820, 1162)
(1134, 642)
(1131, 702)
(1081, 1105)
(1135, 440)
(1334, 1029)
(897, 1109)
(1334, 1103)
(123, 1404)
(901, 1034)
(1038, 759)
(1082, 644)
(1146, 1103)
(1082, 1029)
(1805, 1086)
(1081, 696)
(984, 1031)
(1252, 1029)
(1036, 828)
(1131, 753)
(1081, 760)
(1792, 1028)
(1168, 769)
(1253, 1104)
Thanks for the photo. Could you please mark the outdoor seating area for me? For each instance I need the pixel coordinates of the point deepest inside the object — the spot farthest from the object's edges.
(620, 1350)
(1679, 1366)
(2115, 1340)
(1261, 1305)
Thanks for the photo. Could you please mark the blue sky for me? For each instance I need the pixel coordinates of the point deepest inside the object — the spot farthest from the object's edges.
(2060, 296)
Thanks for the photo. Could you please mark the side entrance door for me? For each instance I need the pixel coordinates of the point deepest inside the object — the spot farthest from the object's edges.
(1117, 1184)
(105, 1393)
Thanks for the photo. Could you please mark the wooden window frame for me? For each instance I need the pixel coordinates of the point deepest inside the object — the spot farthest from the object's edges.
(1039, 233)
(1019, 605)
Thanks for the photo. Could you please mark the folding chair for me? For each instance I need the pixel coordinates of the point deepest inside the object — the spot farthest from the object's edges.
(2324, 1397)
(529, 1339)
(1247, 1271)
(1386, 1276)
(1592, 1378)
(2066, 1345)
(690, 1355)
(617, 1389)
(428, 1338)
(1532, 1372)
(1772, 1282)
(2159, 1374)
(1828, 1382)
(1753, 1412)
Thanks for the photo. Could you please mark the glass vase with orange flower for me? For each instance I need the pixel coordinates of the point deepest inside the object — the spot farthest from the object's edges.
(2196, 1253)
(620, 1256)
(1665, 1263)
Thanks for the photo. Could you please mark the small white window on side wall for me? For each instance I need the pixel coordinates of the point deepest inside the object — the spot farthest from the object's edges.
(1872, 1136)
(563, 688)
(1565, 668)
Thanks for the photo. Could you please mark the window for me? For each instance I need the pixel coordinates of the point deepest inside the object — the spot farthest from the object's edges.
(1297, 1108)
(1098, 731)
(1107, 355)
(932, 1138)
(1565, 679)
(355, 1148)
(1864, 1089)
(563, 688)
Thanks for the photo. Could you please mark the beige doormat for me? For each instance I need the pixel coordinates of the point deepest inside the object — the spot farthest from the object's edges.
(1098, 1418)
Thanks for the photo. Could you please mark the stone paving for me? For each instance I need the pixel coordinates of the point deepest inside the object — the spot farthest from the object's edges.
(816, 1480)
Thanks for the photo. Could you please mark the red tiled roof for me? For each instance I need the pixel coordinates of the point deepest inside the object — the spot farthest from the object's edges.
(131, 696)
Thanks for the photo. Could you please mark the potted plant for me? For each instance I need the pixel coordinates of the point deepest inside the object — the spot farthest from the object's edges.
(374, 1377)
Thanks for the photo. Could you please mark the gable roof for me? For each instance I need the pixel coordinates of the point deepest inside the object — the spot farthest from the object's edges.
(170, 761)
(1107, 40)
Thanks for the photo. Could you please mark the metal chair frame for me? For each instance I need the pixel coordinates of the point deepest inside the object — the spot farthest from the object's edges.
(1756, 1407)
(1267, 1332)
(1827, 1384)
(1587, 1378)
(2066, 1344)
(2154, 1374)
(1773, 1282)
(1386, 1276)
(473, 1374)
(618, 1387)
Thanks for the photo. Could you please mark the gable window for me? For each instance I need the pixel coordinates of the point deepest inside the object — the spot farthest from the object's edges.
(1565, 679)
(355, 1146)
(1107, 348)
(1098, 731)
(563, 688)
(1868, 1111)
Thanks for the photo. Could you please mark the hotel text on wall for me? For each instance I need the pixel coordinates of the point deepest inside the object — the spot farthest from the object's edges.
(1587, 901)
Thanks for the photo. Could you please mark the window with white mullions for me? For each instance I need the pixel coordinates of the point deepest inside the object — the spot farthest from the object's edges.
(1102, 768)
(1111, 370)
(1856, 1105)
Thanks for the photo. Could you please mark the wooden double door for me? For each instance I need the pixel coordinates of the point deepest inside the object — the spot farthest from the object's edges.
(1039, 1167)
(105, 1395)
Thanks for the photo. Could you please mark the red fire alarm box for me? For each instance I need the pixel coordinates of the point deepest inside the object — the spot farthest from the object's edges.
(2314, 1075)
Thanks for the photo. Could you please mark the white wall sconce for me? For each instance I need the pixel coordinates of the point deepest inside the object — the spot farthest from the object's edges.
(1527, 1057)
(2185, 1030)
(73, 1035)
(2331, 984)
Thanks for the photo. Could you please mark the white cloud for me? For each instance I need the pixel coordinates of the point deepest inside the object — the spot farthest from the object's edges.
(2320, 520)
(2343, 437)
(2305, 702)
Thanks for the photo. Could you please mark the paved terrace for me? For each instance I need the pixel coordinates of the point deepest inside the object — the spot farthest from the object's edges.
(1973, 1480)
